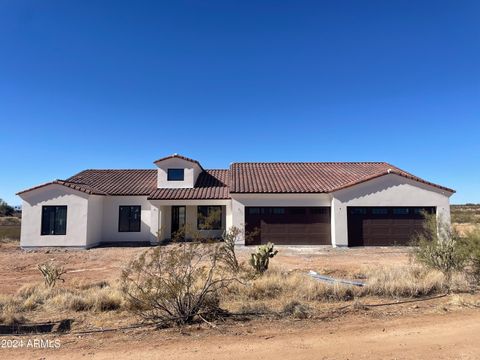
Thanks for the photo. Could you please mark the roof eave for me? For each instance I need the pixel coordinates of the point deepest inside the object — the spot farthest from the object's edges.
(376, 176)
(176, 156)
(76, 187)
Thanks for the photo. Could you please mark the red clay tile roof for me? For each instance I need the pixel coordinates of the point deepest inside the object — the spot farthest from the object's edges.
(179, 157)
(211, 184)
(315, 177)
(119, 182)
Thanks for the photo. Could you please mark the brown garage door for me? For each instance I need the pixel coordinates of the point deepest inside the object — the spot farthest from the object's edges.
(384, 226)
(288, 225)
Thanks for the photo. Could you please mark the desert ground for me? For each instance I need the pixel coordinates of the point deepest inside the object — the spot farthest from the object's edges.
(439, 326)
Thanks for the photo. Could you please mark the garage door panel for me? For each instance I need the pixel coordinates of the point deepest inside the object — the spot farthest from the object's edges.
(289, 226)
(367, 227)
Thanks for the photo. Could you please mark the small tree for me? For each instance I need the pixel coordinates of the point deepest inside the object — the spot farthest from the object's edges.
(261, 258)
(439, 247)
(51, 273)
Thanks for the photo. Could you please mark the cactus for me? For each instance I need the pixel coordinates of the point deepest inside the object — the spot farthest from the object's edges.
(51, 273)
(261, 258)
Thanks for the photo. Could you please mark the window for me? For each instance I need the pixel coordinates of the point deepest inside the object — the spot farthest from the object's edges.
(209, 217)
(54, 220)
(401, 211)
(423, 211)
(129, 219)
(278, 210)
(358, 211)
(379, 211)
(175, 174)
(254, 211)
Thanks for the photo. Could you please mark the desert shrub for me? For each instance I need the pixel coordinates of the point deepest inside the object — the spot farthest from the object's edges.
(84, 285)
(27, 290)
(254, 308)
(51, 273)
(72, 301)
(106, 299)
(297, 310)
(11, 318)
(175, 284)
(470, 245)
(227, 253)
(260, 259)
(439, 247)
(11, 309)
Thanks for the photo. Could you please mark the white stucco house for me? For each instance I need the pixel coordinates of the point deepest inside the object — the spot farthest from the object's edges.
(297, 203)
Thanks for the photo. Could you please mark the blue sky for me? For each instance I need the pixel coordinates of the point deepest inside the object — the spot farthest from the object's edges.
(114, 84)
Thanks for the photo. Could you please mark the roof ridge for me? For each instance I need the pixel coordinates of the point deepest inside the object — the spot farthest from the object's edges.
(311, 162)
(121, 169)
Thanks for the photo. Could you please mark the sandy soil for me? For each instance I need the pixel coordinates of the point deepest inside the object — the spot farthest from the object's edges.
(439, 329)
(19, 267)
(448, 335)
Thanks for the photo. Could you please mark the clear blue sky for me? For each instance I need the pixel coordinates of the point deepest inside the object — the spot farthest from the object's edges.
(114, 84)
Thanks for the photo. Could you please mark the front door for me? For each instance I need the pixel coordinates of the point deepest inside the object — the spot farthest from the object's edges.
(178, 222)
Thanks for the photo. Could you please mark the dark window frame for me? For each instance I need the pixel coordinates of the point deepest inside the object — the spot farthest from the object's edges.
(217, 225)
(358, 211)
(46, 229)
(401, 211)
(278, 211)
(173, 174)
(382, 210)
(134, 225)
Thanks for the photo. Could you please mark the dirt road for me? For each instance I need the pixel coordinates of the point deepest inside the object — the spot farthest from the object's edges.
(433, 336)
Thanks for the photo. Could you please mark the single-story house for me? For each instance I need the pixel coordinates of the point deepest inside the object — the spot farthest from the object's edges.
(289, 203)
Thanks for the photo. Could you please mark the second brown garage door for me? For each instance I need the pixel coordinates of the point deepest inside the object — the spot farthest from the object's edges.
(288, 225)
(384, 226)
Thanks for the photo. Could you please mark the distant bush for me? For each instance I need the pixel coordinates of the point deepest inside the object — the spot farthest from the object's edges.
(5, 209)
(462, 217)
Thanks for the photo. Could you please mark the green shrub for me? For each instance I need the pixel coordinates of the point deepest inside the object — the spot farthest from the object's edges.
(471, 248)
(439, 247)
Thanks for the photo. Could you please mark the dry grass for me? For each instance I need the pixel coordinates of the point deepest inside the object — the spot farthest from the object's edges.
(403, 282)
(96, 297)
(278, 290)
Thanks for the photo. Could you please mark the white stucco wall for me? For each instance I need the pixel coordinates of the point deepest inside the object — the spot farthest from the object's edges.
(54, 195)
(95, 220)
(388, 190)
(111, 205)
(191, 172)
